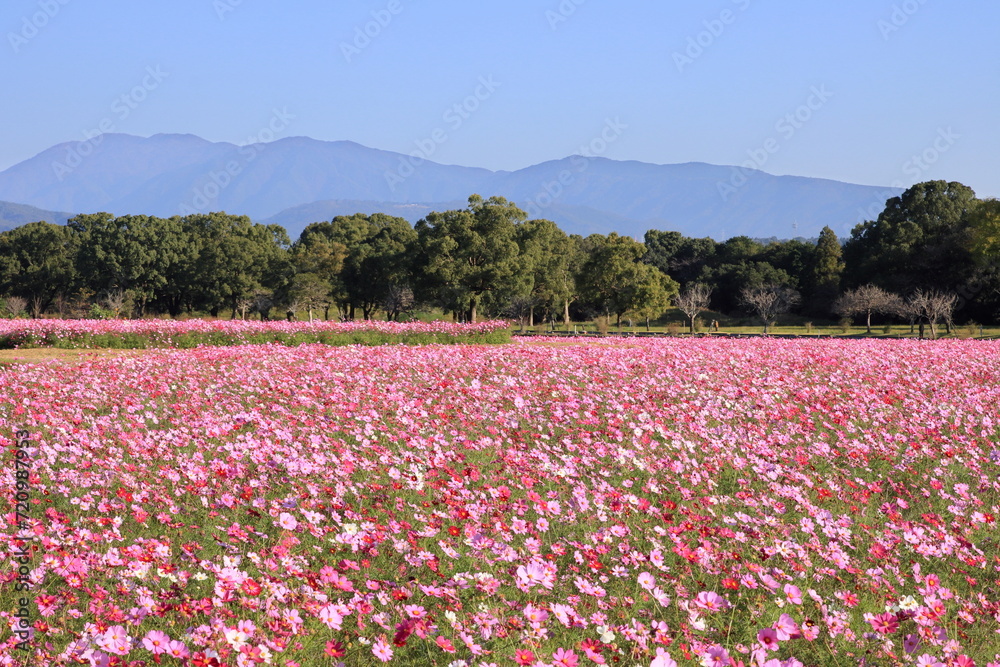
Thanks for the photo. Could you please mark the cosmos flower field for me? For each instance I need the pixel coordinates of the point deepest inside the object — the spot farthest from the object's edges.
(633, 502)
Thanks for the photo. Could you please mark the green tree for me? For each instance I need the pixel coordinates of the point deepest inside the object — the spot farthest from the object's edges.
(678, 256)
(614, 278)
(545, 250)
(920, 240)
(984, 224)
(378, 252)
(134, 253)
(822, 282)
(470, 258)
(37, 264)
(237, 260)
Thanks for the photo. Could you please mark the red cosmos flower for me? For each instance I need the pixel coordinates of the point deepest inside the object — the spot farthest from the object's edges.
(454, 531)
(403, 632)
(251, 588)
(445, 644)
(523, 657)
(199, 659)
(335, 649)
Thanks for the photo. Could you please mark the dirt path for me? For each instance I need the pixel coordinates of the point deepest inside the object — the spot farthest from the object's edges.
(36, 355)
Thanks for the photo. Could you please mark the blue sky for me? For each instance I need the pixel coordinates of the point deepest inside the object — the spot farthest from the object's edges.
(879, 92)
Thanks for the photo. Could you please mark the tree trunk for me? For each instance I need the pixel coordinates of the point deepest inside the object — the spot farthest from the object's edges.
(692, 323)
(472, 311)
(869, 321)
(531, 316)
(647, 323)
(566, 313)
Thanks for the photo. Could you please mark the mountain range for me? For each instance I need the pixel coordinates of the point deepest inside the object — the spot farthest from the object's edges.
(298, 180)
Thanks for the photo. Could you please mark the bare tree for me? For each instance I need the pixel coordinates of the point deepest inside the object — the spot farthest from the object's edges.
(692, 300)
(865, 301)
(769, 301)
(15, 306)
(117, 301)
(520, 308)
(242, 306)
(263, 302)
(933, 306)
(398, 300)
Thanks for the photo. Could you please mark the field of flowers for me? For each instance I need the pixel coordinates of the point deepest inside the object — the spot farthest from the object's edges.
(640, 502)
(142, 334)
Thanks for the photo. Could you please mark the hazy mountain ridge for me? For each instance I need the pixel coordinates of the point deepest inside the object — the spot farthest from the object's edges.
(297, 180)
(14, 215)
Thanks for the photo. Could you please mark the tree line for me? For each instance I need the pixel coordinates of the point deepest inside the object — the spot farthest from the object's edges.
(935, 241)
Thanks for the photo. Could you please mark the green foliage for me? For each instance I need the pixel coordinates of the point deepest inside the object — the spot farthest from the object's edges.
(37, 263)
(471, 258)
(617, 282)
(375, 251)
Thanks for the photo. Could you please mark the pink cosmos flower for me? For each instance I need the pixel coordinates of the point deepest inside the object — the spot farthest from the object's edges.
(115, 640)
(382, 650)
(156, 642)
(177, 649)
(927, 660)
(793, 593)
(786, 628)
(717, 656)
(662, 659)
(768, 638)
(647, 581)
(287, 521)
(711, 601)
(564, 658)
(535, 614)
(885, 623)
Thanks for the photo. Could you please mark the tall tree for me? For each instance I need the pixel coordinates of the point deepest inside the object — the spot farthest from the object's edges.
(378, 254)
(37, 264)
(238, 259)
(133, 253)
(470, 258)
(920, 240)
(822, 282)
(545, 250)
(614, 278)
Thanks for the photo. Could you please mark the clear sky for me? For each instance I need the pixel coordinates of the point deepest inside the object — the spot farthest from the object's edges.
(878, 92)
